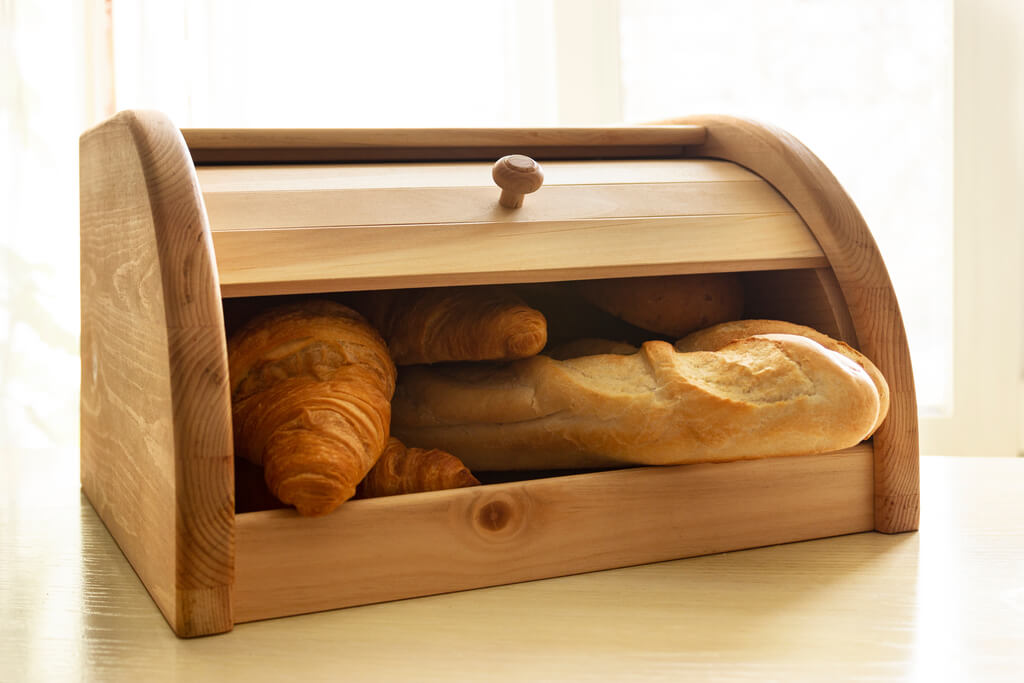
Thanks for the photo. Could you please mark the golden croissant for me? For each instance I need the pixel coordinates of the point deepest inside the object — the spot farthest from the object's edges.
(454, 324)
(311, 385)
(412, 470)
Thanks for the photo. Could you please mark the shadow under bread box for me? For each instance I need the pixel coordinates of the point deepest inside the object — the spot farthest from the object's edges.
(175, 224)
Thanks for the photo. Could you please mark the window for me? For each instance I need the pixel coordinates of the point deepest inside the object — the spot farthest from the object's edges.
(934, 163)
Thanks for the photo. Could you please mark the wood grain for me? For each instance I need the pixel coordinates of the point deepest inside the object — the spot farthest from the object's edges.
(240, 197)
(417, 225)
(409, 206)
(209, 145)
(365, 176)
(390, 548)
(290, 261)
(845, 239)
(155, 412)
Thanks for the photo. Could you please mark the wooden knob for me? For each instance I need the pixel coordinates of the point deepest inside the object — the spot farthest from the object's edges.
(516, 175)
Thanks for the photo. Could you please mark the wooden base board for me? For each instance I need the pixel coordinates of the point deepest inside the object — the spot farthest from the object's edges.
(405, 546)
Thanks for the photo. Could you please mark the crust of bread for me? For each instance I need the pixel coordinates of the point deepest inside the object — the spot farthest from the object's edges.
(718, 336)
(757, 397)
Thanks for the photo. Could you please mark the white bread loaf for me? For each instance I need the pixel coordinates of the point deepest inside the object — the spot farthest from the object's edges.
(763, 396)
(715, 337)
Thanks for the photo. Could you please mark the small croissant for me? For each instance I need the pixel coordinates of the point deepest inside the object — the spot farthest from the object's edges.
(412, 470)
(311, 385)
(454, 324)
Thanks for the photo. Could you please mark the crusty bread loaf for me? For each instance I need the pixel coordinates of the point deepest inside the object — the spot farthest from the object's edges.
(673, 305)
(718, 336)
(762, 396)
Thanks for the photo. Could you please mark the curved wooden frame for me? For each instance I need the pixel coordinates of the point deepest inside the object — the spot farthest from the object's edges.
(156, 447)
(156, 421)
(837, 224)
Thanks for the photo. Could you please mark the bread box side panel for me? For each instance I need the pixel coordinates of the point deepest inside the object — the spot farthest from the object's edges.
(866, 289)
(155, 412)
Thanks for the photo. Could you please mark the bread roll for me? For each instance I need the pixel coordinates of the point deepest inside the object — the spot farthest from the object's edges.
(454, 324)
(311, 384)
(673, 305)
(714, 338)
(762, 396)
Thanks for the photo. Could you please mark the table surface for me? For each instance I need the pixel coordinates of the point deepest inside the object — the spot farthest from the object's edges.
(943, 603)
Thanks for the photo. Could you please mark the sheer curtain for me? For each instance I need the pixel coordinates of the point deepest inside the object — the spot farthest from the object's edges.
(47, 97)
(867, 84)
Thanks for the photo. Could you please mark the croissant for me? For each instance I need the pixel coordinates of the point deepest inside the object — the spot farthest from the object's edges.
(454, 324)
(412, 470)
(311, 384)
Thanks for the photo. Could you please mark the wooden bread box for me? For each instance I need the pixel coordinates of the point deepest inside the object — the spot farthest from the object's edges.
(177, 227)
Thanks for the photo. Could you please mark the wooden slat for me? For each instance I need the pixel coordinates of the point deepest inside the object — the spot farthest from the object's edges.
(390, 548)
(385, 194)
(282, 177)
(287, 261)
(321, 208)
(156, 420)
(297, 145)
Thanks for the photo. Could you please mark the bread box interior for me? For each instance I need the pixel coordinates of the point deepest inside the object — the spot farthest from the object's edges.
(185, 234)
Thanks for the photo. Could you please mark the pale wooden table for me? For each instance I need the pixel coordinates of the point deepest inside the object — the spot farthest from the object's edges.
(946, 603)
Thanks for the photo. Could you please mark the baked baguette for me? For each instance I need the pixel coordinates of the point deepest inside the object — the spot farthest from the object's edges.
(413, 470)
(311, 384)
(454, 324)
(718, 336)
(763, 396)
(673, 305)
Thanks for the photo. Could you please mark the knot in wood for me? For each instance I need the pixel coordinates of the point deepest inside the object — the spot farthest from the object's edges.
(494, 516)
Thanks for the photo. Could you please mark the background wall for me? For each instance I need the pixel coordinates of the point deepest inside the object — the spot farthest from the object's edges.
(988, 163)
(916, 105)
(45, 103)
